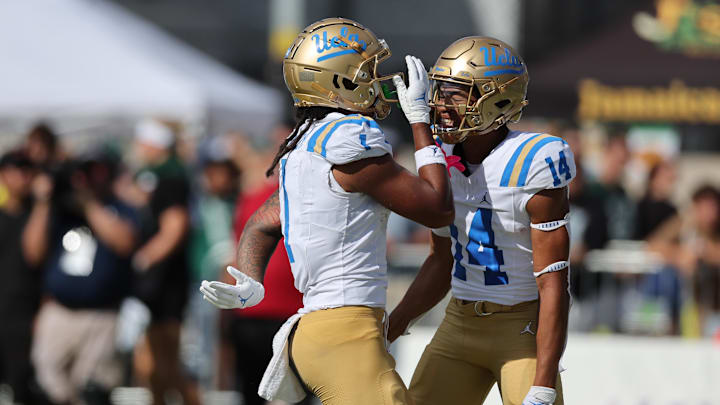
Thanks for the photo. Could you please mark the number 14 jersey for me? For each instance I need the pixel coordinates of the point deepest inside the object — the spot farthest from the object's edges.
(491, 231)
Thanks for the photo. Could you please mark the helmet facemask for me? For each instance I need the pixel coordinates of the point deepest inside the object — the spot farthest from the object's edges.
(484, 110)
(367, 75)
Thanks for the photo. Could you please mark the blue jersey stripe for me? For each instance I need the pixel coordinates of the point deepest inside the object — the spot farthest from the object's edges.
(360, 121)
(315, 135)
(354, 119)
(363, 141)
(507, 173)
(287, 213)
(531, 155)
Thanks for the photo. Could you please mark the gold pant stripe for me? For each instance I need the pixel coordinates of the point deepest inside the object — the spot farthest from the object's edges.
(340, 355)
(470, 353)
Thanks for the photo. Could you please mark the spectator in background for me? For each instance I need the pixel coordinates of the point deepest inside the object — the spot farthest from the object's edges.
(160, 263)
(691, 243)
(655, 207)
(588, 231)
(41, 146)
(619, 207)
(653, 211)
(704, 241)
(251, 330)
(86, 237)
(212, 248)
(19, 283)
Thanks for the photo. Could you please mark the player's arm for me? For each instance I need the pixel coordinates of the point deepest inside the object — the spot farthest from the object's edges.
(429, 287)
(550, 250)
(259, 238)
(257, 243)
(425, 199)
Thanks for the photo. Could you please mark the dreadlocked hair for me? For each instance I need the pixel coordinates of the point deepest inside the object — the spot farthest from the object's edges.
(304, 117)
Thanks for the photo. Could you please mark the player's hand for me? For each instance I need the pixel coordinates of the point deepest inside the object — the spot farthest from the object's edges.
(396, 327)
(540, 396)
(244, 294)
(414, 97)
(42, 187)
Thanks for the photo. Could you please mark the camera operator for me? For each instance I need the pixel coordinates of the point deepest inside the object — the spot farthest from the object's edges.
(85, 236)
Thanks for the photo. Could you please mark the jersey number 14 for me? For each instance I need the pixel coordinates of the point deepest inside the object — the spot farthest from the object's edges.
(481, 249)
(563, 169)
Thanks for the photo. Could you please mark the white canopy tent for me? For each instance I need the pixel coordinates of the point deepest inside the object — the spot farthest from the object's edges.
(90, 62)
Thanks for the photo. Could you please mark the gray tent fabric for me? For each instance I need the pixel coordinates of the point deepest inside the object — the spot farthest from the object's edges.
(75, 59)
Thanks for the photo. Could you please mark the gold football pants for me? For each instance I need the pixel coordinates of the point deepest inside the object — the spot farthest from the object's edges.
(340, 355)
(471, 352)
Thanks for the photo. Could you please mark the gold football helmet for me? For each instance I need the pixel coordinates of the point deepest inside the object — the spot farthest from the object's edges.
(497, 78)
(333, 63)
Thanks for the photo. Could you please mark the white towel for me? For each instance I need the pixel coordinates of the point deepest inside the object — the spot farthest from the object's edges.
(279, 381)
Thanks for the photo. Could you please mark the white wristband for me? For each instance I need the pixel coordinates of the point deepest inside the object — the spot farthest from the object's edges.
(431, 154)
(557, 266)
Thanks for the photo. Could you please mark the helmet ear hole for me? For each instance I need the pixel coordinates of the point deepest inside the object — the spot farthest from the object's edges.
(348, 84)
(335, 82)
(502, 103)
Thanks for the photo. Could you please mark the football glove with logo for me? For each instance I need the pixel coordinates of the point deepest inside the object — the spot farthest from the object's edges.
(244, 294)
(540, 396)
(413, 98)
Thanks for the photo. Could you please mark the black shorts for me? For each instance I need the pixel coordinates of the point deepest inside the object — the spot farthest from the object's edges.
(164, 289)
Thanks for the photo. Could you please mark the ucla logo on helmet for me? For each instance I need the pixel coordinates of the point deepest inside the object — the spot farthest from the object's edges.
(323, 44)
(506, 60)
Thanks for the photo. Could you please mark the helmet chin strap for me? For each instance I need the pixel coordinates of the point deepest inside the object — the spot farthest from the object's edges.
(501, 120)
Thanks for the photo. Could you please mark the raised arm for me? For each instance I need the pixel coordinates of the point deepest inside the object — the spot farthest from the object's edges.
(550, 252)
(426, 198)
(429, 287)
(117, 233)
(35, 234)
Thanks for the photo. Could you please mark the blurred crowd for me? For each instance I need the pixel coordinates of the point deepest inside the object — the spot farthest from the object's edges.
(665, 275)
(101, 257)
(102, 253)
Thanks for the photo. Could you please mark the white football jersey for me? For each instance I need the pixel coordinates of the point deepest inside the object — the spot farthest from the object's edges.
(335, 240)
(491, 232)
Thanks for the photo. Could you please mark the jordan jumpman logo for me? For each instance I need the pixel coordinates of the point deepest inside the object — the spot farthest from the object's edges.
(527, 329)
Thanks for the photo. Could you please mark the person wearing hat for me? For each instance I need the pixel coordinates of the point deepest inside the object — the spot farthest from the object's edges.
(160, 263)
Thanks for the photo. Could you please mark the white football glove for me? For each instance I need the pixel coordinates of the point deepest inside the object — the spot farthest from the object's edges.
(414, 98)
(540, 396)
(244, 294)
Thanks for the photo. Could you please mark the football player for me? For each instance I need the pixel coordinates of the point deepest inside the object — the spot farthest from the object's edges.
(338, 181)
(505, 256)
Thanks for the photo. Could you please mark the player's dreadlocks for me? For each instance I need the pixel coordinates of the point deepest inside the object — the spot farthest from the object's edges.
(305, 117)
